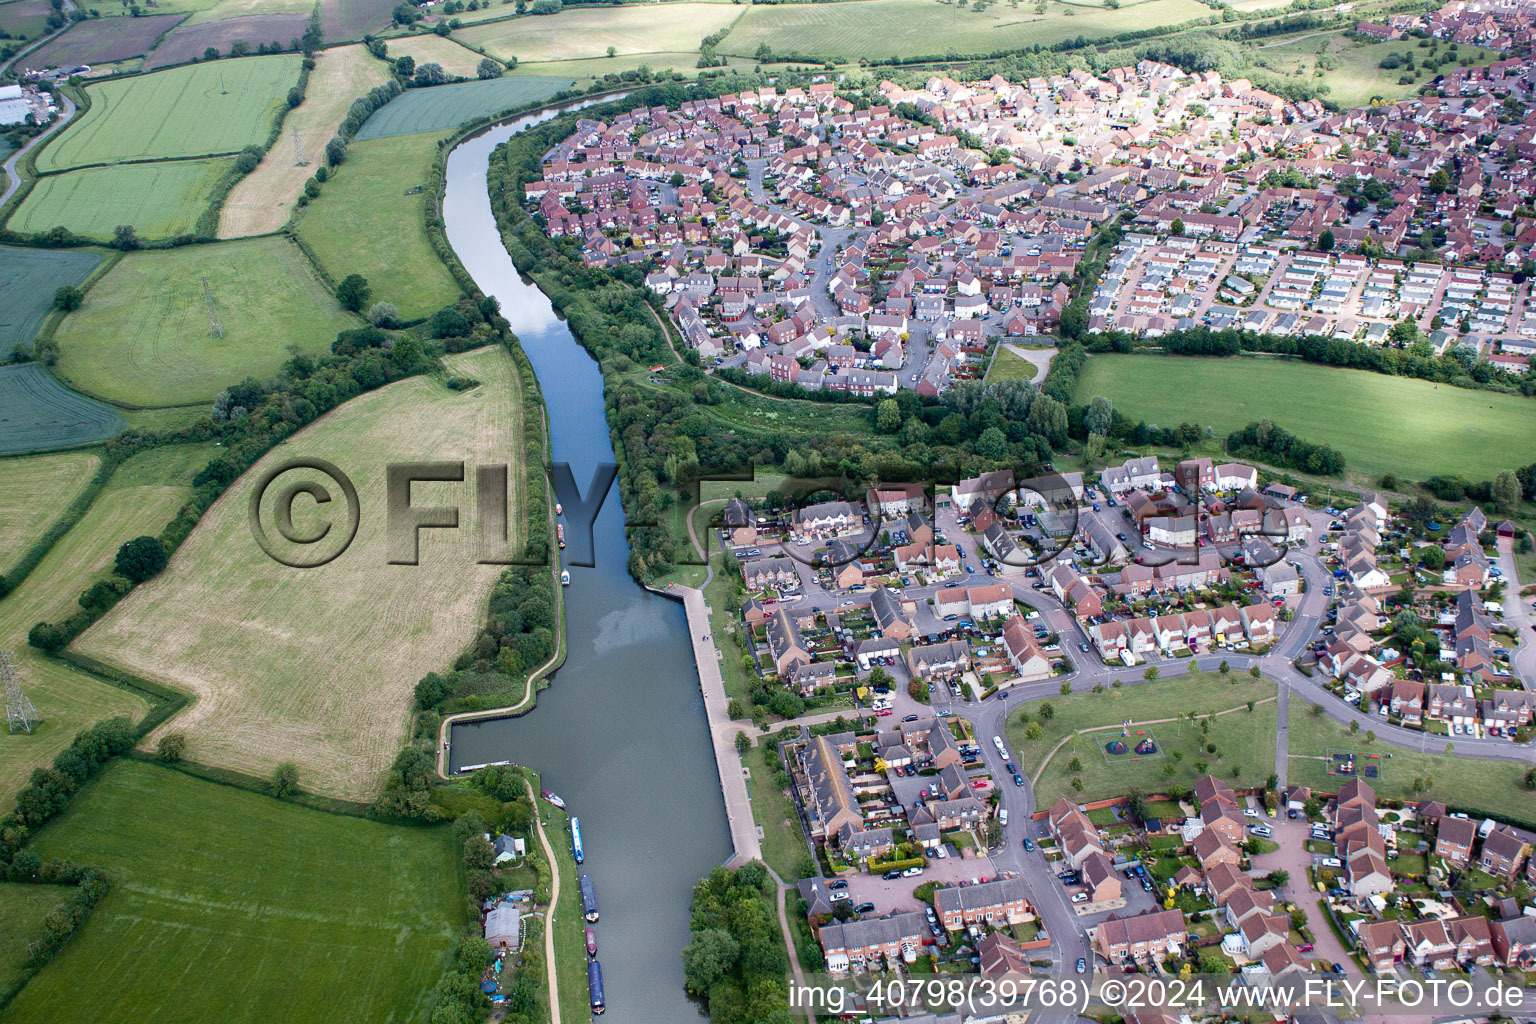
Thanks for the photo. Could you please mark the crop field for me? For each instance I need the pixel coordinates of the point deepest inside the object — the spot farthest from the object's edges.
(28, 279)
(580, 32)
(1381, 424)
(161, 200)
(192, 111)
(1244, 739)
(224, 10)
(448, 106)
(434, 49)
(101, 41)
(143, 335)
(344, 20)
(33, 491)
(365, 223)
(24, 19)
(188, 42)
(1352, 70)
(234, 907)
(38, 414)
(912, 28)
(317, 666)
(143, 495)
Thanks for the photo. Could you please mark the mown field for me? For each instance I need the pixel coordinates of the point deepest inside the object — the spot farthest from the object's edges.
(588, 68)
(224, 10)
(1352, 70)
(161, 200)
(1244, 739)
(580, 32)
(38, 414)
(193, 111)
(22, 908)
(188, 42)
(231, 906)
(365, 223)
(33, 491)
(28, 279)
(317, 666)
(142, 336)
(448, 106)
(1381, 424)
(912, 28)
(24, 19)
(143, 495)
(345, 20)
(430, 48)
(263, 200)
(101, 41)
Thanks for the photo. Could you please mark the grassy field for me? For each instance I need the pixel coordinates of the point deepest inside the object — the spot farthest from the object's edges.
(344, 20)
(783, 844)
(37, 414)
(916, 28)
(1243, 739)
(365, 223)
(28, 279)
(24, 19)
(189, 111)
(142, 496)
(101, 41)
(1381, 424)
(1352, 70)
(448, 106)
(589, 68)
(33, 491)
(161, 200)
(317, 666)
(222, 10)
(211, 919)
(1007, 366)
(1481, 786)
(22, 908)
(188, 42)
(430, 48)
(263, 200)
(580, 32)
(142, 334)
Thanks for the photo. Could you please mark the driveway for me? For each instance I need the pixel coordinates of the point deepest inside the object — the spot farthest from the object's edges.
(1293, 858)
(896, 894)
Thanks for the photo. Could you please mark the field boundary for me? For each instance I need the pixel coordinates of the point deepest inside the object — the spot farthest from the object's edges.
(65, 521)
(164, 701)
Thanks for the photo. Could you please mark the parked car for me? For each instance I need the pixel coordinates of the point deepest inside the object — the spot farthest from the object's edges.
(838, 897)
(1018, 780)
(1029, 844)
(864, 908)
(1080, 897)
(838, 883)
(891, 875)
(912, 872)
(910, 718)
(1082, 962)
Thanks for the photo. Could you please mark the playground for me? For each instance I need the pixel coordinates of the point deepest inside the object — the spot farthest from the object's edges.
(1132, 745)
(1350, 765)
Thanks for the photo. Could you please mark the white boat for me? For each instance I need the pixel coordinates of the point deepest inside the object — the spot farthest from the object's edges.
(552, 798)
(558, 510)
(565, 577)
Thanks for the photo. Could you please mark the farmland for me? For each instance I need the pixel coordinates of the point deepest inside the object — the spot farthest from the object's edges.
(33, 491)
(263, 200)
(235, 907)
(142, 335)
(161, 200)
(448, 106)
(434, 49)
(365, 223)
(911, 28)
(1381, 424)
(1243, 739)
(187, 42)
(345, 20)
(317, 667)
(579, 32)
(38, 414)
(25, 19)
(589, 68)
(28, 279)
(192, 111)
(101, 41)
(226, 10)
(22, 908)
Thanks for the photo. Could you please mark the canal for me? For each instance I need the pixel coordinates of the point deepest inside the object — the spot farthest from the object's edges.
(621, 732)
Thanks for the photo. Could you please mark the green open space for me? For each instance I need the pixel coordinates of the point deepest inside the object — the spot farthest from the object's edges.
(1008, 366)
(33, 492)
(25, 19)
(1352, 71)
(921, 28)
(197, 110)
(783, 843)
(1381, 424)
(1243, 739)
(231, 906)
(38, 414)
(176, 326)
(160, 200)
(28, 279)
(22, 908)
(448, 106)
(588, 31)
(365, 222)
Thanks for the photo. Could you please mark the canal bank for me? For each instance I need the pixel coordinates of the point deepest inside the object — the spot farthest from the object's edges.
(622, 732)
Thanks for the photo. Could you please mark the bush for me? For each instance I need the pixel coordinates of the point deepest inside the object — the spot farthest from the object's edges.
(353, 292)
(285, 780)
(68, 298)
(172, 746)
(140, 559)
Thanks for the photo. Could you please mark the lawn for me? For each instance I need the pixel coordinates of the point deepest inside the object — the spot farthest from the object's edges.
(160, 200)
(1007, 366)
(231, 906)
(582, 32)
(921, 28)
(198, 110)
(28, 279)
(448, 106)
(142, 336)
(429, 48)
(263, 200)
(1381, 424)
(316, 666)
(37, 414)
(33, 492)
(1352, 70)
(1243, 739)
(783, 843)
(100, 41)
(1475, 785)
(22, 908)
(365, 223)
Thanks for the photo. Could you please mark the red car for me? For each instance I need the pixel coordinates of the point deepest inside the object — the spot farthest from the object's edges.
(882, 714)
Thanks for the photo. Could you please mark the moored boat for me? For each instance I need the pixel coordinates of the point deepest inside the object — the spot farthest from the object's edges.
(565, 577)
(592, 942)
(553, 798)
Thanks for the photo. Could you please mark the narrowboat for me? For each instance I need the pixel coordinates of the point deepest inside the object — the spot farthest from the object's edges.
(588, 899)
(576, 841)
(560, 534)
(592, 942)
(595, 985)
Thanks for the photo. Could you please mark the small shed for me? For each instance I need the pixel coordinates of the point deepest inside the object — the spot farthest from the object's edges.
(503, 927)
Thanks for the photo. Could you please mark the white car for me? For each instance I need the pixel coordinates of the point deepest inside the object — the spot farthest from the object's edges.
(1080, 897)
(838, 895)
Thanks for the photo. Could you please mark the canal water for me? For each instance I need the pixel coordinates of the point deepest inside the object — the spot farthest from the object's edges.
(621, 732)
